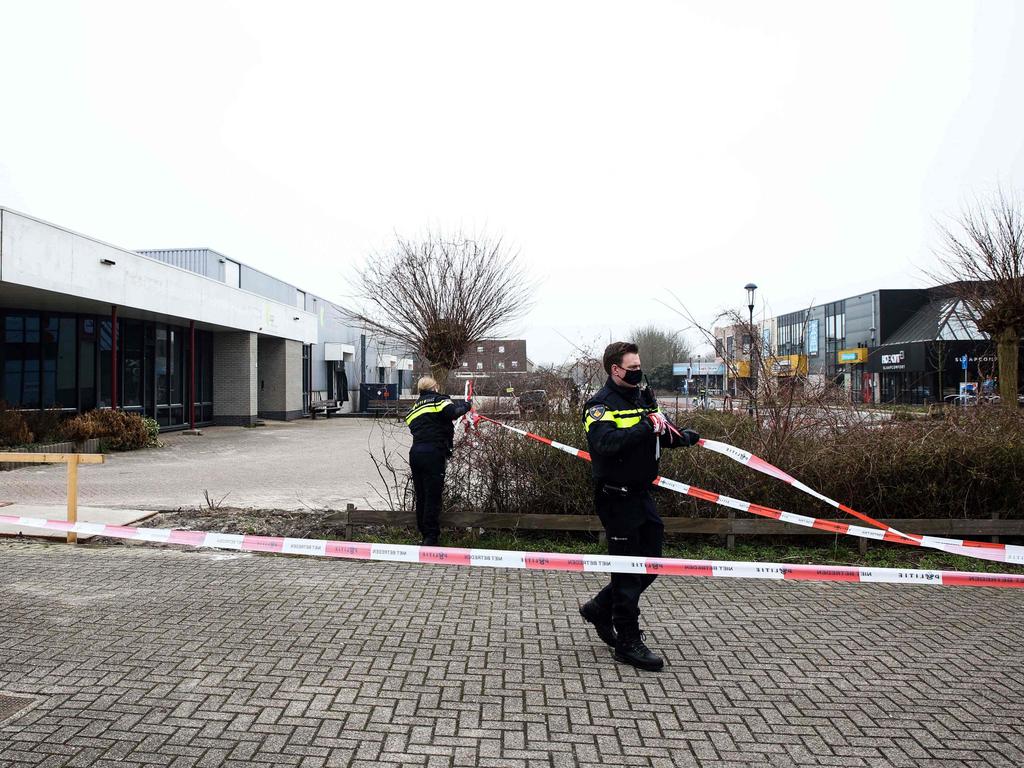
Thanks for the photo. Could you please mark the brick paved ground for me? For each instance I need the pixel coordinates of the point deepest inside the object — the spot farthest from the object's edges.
(295, 465)
(158, 657)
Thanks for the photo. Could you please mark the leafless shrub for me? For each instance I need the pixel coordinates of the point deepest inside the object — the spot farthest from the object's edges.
(394, 488)
(211, 504)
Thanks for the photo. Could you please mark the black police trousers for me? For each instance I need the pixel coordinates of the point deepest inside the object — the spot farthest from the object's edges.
(633, 527)
(427, 462)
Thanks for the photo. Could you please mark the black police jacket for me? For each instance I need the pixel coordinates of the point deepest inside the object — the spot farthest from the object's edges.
(623, 446)
(432, 420)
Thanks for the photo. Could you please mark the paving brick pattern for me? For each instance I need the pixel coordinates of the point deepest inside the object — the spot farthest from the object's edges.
(142, 656)
(292, 466)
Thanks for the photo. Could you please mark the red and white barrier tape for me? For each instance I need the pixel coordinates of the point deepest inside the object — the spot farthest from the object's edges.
(760, 465)
(543, 561)
(1003, 553)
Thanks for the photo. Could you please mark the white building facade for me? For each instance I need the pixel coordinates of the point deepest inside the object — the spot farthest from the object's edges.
(186, 336)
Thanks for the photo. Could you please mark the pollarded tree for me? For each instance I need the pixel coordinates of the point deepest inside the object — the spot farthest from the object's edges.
(983, 253)
(441, 294)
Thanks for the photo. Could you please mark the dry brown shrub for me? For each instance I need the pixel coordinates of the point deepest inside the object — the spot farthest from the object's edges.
(14, 429)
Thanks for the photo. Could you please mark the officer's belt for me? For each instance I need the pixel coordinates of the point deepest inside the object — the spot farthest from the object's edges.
(622, 491)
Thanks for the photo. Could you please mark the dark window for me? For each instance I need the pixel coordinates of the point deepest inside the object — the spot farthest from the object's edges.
(66, 395)
(22, 385)
(48, 347)
(149, 370)
(131, 332)
(105, 361)
(87, 363)
(163, 383)
(174, 367)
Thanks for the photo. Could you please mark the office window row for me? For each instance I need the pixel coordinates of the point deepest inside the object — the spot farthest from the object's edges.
(65, 361)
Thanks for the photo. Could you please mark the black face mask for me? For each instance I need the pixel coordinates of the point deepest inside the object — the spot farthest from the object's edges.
(633, 377)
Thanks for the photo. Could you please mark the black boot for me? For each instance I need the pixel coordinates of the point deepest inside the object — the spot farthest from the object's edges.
(429, 541)
(590, 611)
(631, 649)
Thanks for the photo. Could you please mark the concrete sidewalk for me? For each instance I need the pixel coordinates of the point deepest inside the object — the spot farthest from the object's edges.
(285, 465)
(137, 657)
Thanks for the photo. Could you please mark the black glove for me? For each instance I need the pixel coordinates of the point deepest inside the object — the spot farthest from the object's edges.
(690, 438)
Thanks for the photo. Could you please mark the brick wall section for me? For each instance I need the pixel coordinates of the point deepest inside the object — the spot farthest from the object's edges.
(280, 379)
(234, 378)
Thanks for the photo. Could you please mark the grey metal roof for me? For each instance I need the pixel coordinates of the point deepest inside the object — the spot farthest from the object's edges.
(944, 318)
(203, 261)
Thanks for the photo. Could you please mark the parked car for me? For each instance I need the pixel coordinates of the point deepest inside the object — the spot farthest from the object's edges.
(965, 399)
(533, 401)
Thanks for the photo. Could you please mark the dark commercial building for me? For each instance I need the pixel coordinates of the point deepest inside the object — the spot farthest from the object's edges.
(885, 346)
(831, 341)
(924, 359)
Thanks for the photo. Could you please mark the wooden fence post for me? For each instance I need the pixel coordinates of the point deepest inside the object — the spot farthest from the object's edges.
(72, 461)
(349, 528)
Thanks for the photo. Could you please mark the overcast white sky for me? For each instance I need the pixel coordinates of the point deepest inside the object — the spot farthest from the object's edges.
(627, 149)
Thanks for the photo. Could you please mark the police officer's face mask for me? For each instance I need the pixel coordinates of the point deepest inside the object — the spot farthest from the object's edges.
(633, 377)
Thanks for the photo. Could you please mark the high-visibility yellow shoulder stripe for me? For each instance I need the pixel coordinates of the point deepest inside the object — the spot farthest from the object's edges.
(435, 406)
(621, 419)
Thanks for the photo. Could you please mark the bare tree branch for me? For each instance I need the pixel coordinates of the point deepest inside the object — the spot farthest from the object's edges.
(440, 294)
(982, 260)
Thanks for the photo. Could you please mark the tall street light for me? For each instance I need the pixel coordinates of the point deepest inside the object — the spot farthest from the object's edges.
(751, 404)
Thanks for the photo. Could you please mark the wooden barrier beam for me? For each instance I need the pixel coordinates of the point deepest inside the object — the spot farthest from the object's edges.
(52, 458)
(72, 460)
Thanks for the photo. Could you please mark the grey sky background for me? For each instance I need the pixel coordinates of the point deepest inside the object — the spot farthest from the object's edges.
(627, 149)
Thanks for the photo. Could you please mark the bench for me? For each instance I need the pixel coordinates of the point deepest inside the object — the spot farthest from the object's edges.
(319, 403)
(382, 407)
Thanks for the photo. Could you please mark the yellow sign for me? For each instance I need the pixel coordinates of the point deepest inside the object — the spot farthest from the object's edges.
(788, 365)
(856, 355)
(742, 369)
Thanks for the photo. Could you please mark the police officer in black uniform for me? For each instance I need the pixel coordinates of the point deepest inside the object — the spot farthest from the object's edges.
(626, 432)
(432, 423)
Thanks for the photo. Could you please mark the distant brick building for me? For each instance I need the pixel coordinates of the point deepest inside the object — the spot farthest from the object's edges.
(490, 358)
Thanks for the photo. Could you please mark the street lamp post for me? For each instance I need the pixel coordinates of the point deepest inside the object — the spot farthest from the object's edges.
(752, 403)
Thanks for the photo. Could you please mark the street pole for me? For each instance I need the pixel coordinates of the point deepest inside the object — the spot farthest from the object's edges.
(707, 383)
(751, 351)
